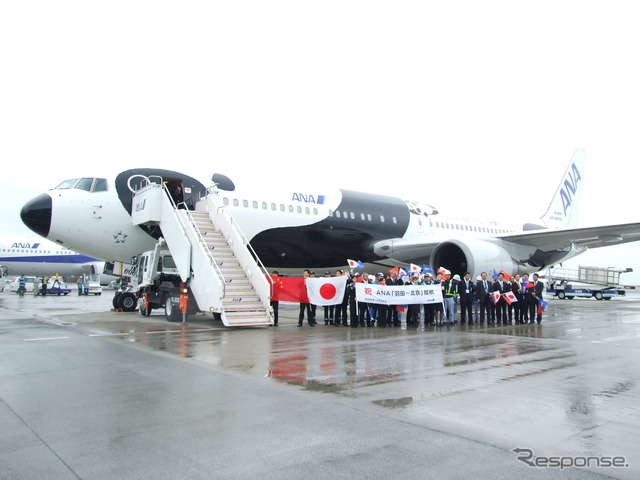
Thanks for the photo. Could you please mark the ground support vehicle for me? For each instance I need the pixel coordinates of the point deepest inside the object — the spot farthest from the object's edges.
(586, 282)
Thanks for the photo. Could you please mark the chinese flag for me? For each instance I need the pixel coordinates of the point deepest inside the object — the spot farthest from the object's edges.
(507, 277)
(289, 290)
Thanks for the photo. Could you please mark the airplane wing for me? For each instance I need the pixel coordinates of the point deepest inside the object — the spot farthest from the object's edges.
(590, 237)
(544, 240)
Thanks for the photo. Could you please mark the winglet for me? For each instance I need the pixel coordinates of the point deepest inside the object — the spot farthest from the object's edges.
(564, 209)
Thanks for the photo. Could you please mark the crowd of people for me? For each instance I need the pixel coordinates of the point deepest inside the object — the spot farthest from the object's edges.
(501, 300)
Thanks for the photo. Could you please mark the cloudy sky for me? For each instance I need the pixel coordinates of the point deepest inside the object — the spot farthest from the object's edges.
(473, 106)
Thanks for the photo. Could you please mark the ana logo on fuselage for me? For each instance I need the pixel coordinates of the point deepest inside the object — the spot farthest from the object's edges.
(306, 198)
(570, 187)
(24, 245)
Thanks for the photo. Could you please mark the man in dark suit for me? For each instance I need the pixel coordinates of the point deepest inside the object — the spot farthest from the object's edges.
(393, 316)
(502, 286)
(483, 289)
(466, 289)
(538, 288)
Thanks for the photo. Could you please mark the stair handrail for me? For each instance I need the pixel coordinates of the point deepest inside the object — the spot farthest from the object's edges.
(212, 192)
(203, 246)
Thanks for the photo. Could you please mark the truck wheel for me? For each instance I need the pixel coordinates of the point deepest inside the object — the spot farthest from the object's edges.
(561, 295)
(598, 295)
(570, 297)
(171, 313)
(114, 302)
(127, 302)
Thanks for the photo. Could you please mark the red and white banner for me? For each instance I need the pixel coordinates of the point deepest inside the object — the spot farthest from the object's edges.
(398, 295)
(495, 297)
(326, 290)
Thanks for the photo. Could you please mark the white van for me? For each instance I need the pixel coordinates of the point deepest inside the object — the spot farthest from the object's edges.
(29, 287)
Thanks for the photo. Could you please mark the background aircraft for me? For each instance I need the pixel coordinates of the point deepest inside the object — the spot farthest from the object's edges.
(38, 257)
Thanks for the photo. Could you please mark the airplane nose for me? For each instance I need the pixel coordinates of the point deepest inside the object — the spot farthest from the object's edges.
(36, 214)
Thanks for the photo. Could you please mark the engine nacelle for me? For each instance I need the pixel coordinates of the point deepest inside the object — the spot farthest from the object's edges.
(474, 256)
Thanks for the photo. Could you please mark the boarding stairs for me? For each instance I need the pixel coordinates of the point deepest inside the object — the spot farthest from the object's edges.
(211, 254)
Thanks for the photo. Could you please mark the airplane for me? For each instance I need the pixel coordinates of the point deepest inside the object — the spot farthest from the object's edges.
(39, 257)
(319, 229)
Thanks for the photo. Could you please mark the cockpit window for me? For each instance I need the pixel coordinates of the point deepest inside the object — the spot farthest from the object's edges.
(88, 184)
(84, 184)
(100, 185)
(67, 184)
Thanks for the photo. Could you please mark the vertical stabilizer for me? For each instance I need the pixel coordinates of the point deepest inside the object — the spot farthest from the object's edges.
(564, 209)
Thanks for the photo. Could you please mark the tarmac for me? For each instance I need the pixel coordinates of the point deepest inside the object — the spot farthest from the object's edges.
(86, 393)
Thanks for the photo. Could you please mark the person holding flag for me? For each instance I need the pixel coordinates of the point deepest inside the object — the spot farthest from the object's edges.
(306, 307)
(500, 286)
(529, 301)
(541, 305)
(516, 290)
(378, 313)
(429, 308)
(393, 315)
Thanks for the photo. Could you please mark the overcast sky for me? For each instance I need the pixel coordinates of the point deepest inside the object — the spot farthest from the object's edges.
(473, 106)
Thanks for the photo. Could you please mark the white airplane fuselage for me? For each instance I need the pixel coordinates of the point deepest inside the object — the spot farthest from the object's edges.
(293, 230)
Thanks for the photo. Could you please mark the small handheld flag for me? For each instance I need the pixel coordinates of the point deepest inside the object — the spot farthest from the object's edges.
(510, 297)
(355, 264)
(495, 297)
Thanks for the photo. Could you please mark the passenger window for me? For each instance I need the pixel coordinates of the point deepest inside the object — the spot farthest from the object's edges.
(369, 216)
(291, 208)
(307, 210)
(255, 204)
(236, 202)
(362, 216)
(395, 220)
(264, 205)
(245, 203)
(225, 200)
(273, 207)
(282, 207)
(315, 211)
(299, 208)
(381, 218)
(338, 213)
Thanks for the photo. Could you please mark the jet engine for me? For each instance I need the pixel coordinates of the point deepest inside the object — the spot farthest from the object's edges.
(475, 256)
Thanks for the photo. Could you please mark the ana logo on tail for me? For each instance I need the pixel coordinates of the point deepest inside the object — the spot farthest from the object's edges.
(570, 187)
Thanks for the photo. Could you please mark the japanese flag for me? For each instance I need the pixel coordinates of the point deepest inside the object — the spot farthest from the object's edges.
(510, 297)
(354, 264)
(326, 291)
(495, 297)
(413, 268)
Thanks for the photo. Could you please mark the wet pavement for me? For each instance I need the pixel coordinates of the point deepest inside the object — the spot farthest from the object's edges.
(466, 396)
